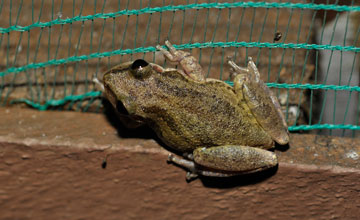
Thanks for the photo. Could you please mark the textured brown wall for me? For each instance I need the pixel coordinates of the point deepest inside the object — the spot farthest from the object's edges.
(50, 168)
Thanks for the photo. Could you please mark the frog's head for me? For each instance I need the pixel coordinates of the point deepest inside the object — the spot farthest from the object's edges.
(126, 84)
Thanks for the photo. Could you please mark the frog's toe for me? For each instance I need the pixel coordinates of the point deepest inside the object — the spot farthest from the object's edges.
(182, 162)
(158, 47)
(229, 58)
(191, 176)
(168, 44)
(170, 158)
(283, 139)
(237, 69)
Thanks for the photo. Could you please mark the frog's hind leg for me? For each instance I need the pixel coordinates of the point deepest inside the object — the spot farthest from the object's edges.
(263, 104)
(189, 63)
(235, 158)
(224, 161)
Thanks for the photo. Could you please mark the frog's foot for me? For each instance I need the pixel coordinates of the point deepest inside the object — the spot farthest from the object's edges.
(187, 164)
(190, 65)
(194, 171)
(173, 55)
(235, 69)
(98, 84)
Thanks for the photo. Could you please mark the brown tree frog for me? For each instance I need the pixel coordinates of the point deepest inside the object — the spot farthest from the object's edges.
(221, 130)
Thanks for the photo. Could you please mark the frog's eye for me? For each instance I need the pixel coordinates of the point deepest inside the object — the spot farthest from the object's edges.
(140, 68)
(139, 64)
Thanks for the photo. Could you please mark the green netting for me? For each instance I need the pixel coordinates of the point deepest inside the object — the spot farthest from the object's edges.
(51, 49)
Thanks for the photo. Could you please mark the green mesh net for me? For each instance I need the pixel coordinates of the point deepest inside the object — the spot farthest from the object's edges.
(307, 51)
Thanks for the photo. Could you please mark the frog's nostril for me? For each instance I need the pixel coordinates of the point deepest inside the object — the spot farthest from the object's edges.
(139, 63)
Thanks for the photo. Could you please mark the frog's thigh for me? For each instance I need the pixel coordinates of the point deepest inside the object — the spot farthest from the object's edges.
(235, 158)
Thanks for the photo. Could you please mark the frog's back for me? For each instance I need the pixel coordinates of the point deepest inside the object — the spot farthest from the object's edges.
(188, 114)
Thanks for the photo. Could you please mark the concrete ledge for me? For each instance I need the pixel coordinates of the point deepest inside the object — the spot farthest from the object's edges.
(51, 165)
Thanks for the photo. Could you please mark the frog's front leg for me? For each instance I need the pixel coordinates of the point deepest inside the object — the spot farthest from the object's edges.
(189, 63)
(228, 160)
(263, 104)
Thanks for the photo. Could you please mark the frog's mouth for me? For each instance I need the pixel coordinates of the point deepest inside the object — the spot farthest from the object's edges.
(120, 108)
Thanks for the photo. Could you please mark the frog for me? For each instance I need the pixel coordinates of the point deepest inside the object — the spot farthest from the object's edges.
(217, 130)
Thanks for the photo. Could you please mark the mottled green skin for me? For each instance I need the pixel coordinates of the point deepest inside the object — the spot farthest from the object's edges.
(185, 113)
